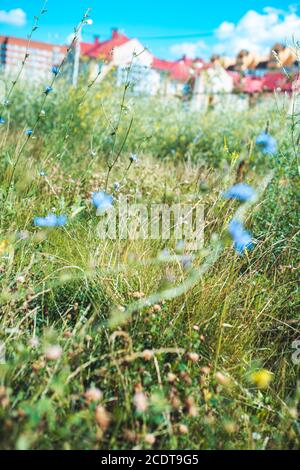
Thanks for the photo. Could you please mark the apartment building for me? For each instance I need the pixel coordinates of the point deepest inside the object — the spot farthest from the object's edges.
(41, 56)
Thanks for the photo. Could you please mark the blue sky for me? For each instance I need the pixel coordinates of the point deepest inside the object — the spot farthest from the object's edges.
(231, 25)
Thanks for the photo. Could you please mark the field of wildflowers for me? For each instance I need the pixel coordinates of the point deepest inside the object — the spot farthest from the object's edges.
(140, 343)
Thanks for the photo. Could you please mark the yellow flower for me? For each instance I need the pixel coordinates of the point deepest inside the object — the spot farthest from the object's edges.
(261, 378)
(3, 247)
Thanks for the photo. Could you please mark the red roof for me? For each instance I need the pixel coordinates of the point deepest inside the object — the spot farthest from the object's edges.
(274, 80)
(181, 69)
(105, 48)
(252, 84)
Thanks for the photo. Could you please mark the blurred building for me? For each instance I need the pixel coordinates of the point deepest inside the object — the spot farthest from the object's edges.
(41, 56)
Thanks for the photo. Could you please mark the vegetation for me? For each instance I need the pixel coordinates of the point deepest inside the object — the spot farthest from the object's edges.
(121, 344)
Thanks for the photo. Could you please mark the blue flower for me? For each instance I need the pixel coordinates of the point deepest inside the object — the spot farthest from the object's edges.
(51, 220)
(116, 186)
(2, 120)
(102, 201)
(29, 132)
(242, 238)
(133, 157)
(48, 90)
(240, 191)
(267, 143)
(55, 70)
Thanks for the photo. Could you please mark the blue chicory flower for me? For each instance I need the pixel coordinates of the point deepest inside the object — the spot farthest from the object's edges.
(55, 70)
(51, 220)
(267, 143)
(133, 157)
(240, 191)
(242, 238)
(29, 132)
(2, 120)
(48, 90)
(102, 201)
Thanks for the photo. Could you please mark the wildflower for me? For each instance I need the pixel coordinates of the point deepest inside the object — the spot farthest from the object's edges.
(150, 439)
(183, 429)
(51, 220)
(48, 90)
(102, 417)
(42, 173)
(2, 120)
(55, 70)
(147, 355)
(186, 262)
(171, 377)
(242, 239)
(156, 308)
(194, 357)
(267, 143)
(116, 186)
(191, 406)
(140, 402)
(261, 378)
(93, 394)
(53, 352)
(29, 132)
(222, 379)
(34, 342)
(133, 158)
(5, 102)
(102, 201)
(4, 246)
(43, 113)
(240, 191)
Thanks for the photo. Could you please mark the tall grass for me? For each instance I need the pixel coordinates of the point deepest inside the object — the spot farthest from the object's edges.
(106, 344)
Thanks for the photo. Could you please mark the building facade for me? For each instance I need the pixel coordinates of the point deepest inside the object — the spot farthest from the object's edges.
(39, 62)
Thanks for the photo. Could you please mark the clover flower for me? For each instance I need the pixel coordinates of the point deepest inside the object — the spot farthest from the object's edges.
(102, 201)
(242, 238)
(48, 90)
(51, 220)
(2, 120)
(267, 143)
(240, 191)
(55, 70)
(133, 158)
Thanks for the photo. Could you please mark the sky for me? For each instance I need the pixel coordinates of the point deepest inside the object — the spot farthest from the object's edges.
(169, 28)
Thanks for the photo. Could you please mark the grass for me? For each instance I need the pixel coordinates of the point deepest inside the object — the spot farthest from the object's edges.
(90, 363)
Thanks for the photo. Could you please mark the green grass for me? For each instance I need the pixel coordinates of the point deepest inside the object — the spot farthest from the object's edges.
(188, 360)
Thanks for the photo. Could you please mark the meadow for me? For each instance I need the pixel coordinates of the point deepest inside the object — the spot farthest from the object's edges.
(139, 344)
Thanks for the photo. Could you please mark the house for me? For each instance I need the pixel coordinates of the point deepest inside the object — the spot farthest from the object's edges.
(117, 52)
(41, 57)
(148, 74)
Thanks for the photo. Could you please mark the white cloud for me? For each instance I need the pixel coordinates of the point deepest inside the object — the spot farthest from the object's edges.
(258, 32)
(190, 49)
(16, 17)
